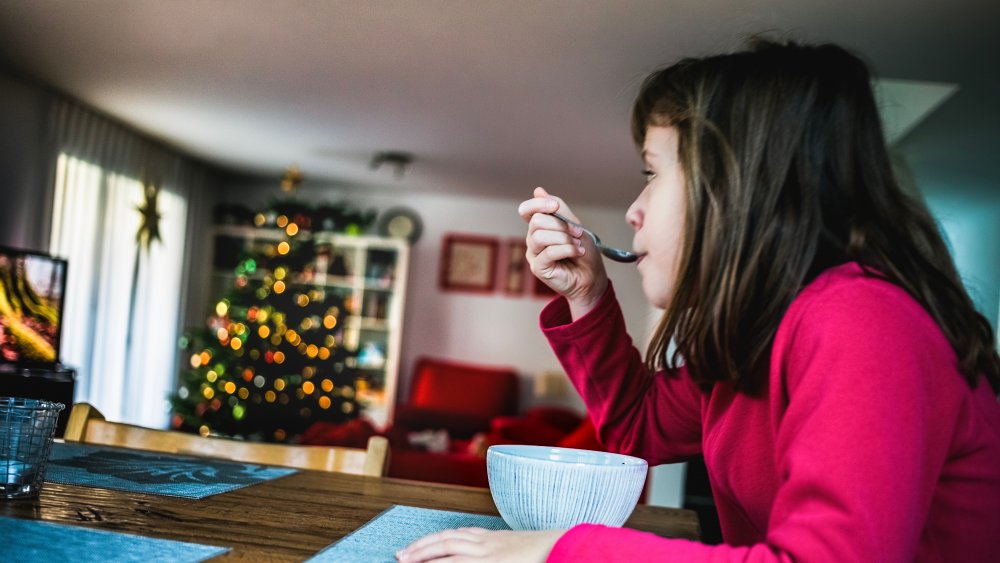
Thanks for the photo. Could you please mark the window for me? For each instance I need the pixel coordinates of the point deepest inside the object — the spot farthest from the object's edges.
(122, 299)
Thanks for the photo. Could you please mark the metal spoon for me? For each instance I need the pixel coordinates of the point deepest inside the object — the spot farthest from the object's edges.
(616, 254)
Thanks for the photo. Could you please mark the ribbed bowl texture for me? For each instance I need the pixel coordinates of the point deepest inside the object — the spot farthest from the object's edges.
(545, 488)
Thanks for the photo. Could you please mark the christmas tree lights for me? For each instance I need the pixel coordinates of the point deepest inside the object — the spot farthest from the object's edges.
(271, 360)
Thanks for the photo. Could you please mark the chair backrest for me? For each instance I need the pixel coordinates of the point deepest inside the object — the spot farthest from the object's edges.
(87, 425)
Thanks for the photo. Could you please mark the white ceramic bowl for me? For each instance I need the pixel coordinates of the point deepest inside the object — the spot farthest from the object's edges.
(545, 488)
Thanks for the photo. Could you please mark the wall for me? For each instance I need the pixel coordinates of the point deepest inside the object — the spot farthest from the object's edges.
(24, 178)
(972, 229)
(952, 159)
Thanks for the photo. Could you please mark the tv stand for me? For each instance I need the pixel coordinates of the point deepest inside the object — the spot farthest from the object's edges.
(50, 384)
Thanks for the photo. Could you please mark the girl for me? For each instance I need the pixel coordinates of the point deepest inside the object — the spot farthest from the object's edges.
(816, 344)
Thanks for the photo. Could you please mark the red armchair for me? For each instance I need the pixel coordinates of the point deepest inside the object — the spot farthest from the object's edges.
(460, 399)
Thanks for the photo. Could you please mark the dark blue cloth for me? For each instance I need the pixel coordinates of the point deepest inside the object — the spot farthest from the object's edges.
(151, 472)
(397, 527)
(33, 541)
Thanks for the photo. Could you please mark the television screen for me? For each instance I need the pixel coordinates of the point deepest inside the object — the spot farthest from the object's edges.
(32, 286)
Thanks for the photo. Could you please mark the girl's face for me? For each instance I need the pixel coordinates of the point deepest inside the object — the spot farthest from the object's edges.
(657, 215)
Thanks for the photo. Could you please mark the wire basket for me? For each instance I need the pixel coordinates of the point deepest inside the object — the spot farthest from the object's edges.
(27, 427)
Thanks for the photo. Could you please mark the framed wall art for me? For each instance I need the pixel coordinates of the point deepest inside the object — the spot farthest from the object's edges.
(514, 279)
(468, 263)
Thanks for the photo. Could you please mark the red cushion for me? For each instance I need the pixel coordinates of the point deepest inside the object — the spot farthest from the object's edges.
(448, 386)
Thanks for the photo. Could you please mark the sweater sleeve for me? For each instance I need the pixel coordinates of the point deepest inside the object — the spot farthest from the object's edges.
(653, 416)
(858, 449)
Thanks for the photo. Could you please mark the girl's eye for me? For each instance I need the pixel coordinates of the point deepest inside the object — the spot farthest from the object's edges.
(649, 174)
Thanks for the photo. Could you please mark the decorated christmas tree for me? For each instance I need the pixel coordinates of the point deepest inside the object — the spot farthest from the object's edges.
(271, 360)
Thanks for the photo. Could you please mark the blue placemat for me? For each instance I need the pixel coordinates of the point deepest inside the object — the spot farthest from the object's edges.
(151, 472)
(33, 540)
(397, 527)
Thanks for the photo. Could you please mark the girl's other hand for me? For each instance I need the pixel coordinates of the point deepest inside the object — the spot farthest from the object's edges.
(477, 544)
(560, 255)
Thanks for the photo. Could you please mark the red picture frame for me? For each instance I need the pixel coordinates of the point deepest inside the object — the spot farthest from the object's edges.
(468, 263)
(516, 272)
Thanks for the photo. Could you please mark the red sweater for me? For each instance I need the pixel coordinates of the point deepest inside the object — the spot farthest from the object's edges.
(867, 444)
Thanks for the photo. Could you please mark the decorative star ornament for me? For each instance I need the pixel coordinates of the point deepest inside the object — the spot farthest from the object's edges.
(149, 229)
(290, 182)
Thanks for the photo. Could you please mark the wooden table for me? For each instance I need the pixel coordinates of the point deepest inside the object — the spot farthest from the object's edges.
(286, 519)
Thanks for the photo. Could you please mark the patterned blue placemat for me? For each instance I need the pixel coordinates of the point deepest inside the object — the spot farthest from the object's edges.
(151, 472)
(397, 527)
(33, 541)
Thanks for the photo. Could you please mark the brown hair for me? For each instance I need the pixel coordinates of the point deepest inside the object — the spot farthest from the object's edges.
(788, 174)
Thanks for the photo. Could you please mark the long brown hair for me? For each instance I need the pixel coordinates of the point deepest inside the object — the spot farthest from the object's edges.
(787, 175)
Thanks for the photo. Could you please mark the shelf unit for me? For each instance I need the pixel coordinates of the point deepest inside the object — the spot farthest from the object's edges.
(371, 272)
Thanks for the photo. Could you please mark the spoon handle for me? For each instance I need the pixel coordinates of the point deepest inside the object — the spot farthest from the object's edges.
(574, 223)
(616, 254)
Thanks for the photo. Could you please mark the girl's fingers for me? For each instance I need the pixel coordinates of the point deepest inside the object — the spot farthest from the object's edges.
(456, 533)
(543, 258)
(541, 222)
(539, 239)
(537, 205)
(433, 538)
(552, 255)
(547, 264)
(543, 202)
(462, 541)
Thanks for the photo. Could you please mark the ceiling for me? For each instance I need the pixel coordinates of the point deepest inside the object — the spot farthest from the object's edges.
(492, 98)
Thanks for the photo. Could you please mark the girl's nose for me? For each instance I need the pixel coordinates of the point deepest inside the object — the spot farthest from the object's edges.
(634, 215)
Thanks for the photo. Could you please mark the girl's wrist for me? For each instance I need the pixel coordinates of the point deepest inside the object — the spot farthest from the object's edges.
(549, 541)
(580, 305)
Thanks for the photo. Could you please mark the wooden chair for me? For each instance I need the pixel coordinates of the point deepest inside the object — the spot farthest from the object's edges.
(87, 425)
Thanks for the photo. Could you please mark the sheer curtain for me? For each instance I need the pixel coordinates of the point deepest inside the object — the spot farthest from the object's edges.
(123, 299)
